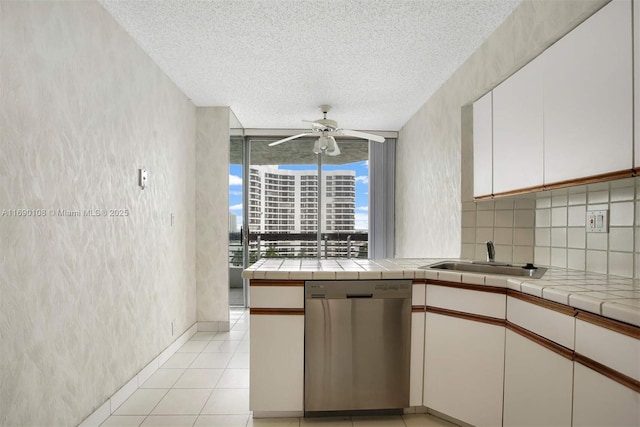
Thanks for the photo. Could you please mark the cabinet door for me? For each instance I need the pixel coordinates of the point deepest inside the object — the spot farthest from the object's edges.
(517, 130)
(588, 97)
(536, 378)
(600, 401)
(417, 359)
(482, 147)
(464, 369)
(276, 363)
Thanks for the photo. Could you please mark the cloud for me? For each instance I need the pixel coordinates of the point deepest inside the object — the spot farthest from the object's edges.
(237, 207)
(363, 208)
(235, 180)
(363, 179)
(362, 221)
(235, 193)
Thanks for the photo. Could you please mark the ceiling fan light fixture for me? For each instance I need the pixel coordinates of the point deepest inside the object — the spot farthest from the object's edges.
(316, 147)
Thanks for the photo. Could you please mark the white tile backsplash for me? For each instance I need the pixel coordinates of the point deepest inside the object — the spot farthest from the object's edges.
(597, 241)
(542, 255)
(576, 259)
(622, 194)
(576, 238)
(578, 199)
(621, 264)
(577, 216)
(524, 218)
(543, 237)
(543, 217)
(598, 197)
(504, 218)
(559, 217)
(621, 239)
(559, 257)
(597, 261)
(559, 237)
(554, 232)
(621, 214)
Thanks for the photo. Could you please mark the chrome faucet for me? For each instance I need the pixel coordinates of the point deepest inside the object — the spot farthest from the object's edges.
(491, 251)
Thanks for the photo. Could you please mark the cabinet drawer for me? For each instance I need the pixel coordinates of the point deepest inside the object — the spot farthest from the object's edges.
(550, 324)
(614, 350)
(482, 303)
(418, 294)
(276, 296)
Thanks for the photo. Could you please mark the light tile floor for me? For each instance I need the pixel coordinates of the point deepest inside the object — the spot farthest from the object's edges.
(206, 384)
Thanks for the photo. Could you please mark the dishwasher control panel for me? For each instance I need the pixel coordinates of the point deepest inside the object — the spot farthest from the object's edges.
(341, 289)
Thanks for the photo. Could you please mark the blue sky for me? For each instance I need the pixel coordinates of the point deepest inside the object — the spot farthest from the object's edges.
(362, 188)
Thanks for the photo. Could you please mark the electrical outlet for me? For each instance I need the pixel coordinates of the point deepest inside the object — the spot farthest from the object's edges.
(598, 221)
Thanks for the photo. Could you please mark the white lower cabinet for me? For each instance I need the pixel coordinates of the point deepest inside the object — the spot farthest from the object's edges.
(600, 401)
(537, 384)
(417, 359)
(464, 369)
(277, 363)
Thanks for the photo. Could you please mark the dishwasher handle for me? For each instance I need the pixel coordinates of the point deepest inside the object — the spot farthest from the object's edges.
(359, 295)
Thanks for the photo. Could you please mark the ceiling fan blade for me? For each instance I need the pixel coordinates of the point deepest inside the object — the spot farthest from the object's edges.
(358, 134)
(288, 139)
(333, 149)
(314, 123)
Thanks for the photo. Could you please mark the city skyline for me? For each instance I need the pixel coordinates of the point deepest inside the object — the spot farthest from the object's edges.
(361, 170)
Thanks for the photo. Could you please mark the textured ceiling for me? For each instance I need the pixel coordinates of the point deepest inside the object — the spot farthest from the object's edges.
(275, 61)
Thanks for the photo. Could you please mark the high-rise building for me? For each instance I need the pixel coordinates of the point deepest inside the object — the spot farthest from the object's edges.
(285, 201)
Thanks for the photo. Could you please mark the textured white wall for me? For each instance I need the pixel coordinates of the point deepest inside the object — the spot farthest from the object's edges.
(86, 302)
(212, 213)
(431, 151)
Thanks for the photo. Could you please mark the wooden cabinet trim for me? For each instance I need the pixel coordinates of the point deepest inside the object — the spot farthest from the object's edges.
(546, 343)
(419, 281)
(418, 308)
(277, 311)
(519, 191)
(612, 325)
(467, 316)
(555, 306)
(282, 282)
(626, 173)
(612, 374)
(481, 288)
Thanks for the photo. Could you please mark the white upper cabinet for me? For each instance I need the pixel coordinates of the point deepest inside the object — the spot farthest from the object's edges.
(517, 130)
(588, 97)
(482, 147)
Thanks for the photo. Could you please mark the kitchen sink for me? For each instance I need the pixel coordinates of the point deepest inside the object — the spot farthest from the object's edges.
(528, 270)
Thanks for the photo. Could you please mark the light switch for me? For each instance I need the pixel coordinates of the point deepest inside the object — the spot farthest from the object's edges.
(142, 178)
(598, 221)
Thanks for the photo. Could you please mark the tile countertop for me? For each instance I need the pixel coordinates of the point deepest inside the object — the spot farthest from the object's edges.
(610, 296)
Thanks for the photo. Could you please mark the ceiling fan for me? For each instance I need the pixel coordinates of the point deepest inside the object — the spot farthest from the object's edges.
(327, 130)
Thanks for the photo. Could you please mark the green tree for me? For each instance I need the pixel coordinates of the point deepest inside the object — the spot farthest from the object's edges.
(271, 251)
(236, 260)
(363, 251)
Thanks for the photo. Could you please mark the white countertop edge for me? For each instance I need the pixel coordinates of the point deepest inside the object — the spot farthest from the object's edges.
(563, 290)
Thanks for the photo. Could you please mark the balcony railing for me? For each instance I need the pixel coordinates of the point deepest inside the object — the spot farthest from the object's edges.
(299, 245)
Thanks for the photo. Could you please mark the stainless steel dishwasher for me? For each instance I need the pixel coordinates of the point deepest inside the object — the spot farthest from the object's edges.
(357, 345)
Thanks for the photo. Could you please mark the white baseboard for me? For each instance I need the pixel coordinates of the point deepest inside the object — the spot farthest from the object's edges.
(278, 414)
(107, 408)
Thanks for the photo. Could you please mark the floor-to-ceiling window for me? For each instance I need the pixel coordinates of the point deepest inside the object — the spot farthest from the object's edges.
(281, 209)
